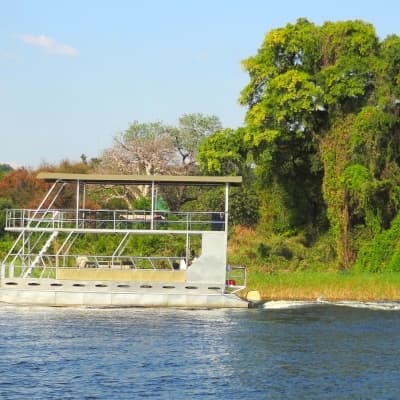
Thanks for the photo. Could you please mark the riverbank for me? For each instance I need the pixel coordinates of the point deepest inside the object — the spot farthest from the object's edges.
(330, 286)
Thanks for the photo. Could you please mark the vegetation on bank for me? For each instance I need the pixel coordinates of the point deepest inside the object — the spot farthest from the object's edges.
(286, 268)
(320, 147)
(326, 285)
(319, 152)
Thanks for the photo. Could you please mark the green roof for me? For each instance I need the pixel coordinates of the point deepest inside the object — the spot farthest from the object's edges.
(139, 179)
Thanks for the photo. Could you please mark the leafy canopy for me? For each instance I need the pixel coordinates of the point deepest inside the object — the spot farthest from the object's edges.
(322, 130)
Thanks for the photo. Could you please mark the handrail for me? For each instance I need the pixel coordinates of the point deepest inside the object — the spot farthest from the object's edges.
(68, 219)
(49, 262)
(236, 278)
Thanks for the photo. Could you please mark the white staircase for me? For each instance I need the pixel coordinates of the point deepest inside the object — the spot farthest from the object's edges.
(40, 254)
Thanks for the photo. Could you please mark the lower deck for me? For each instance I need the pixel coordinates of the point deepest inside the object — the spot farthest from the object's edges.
(97, 293)
(127, 275)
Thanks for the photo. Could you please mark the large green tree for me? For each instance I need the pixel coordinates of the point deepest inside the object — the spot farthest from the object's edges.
(322, 126)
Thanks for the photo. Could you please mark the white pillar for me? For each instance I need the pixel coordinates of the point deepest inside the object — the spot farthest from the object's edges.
(84, 196)
(152, 206)
(226, 206)
(77, 203)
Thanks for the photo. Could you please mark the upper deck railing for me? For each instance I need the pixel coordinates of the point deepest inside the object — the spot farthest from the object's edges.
(112, 220)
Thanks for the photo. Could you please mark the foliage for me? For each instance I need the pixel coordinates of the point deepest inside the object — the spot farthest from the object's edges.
(143, 149)
(156, 149)
(383, 252)
(68, 198)
(137, 245)
(223, 153)
(204, 199)
(335, 159)
(4, 205)
(141, 203)
(5, 169)
(244, 207)
(115, 204)
(22, 188)
(192, 130)
(6, 241)
(268, 253)
(322, 127)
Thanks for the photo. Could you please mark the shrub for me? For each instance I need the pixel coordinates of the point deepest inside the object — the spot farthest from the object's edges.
(383, 252)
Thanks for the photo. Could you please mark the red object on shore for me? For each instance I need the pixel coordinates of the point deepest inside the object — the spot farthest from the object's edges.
(231, 282)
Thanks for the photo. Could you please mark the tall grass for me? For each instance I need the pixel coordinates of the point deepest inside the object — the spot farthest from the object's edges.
(294, 268)
(331, 286)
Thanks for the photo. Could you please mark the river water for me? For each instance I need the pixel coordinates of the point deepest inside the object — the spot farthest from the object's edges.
(281, 351)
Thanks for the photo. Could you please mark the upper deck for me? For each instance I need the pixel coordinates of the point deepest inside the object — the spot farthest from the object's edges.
(82, 219)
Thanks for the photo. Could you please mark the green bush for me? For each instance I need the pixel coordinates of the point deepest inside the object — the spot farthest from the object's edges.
(4, 205)
(383, 252)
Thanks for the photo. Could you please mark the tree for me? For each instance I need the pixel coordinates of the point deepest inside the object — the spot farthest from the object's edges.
(22, 188)
(156, 149)
(322, 126)
(4, 205)
(143, 149)
(192, 130)
(224, 153)
(5, 169)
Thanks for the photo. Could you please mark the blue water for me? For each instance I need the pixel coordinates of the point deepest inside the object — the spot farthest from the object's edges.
(316, 351)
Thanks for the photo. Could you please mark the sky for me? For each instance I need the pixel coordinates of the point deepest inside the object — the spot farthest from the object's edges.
(75, 73)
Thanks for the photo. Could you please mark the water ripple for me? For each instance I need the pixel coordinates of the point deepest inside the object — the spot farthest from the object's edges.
(285, 304)
(313, 351)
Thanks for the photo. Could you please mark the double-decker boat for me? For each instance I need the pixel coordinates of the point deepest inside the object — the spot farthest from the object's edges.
(51, 261)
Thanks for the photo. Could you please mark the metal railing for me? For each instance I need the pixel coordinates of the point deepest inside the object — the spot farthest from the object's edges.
(48, 264)
(236, 278)
(69, 219)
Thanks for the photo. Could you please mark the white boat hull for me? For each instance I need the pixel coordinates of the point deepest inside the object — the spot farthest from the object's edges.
(48, 292)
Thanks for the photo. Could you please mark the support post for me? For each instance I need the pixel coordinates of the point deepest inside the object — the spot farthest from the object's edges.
(187, 254)
(84, 196)
(84, 205)
(226, 206)
(152, 206)
(77, 203)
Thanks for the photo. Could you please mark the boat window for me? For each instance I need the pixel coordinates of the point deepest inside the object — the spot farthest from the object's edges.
(214, 288)
(123, 286)
(146, 286)
(168, 287)
(191, 287)
(34, 284)
(78, 284)
(11, 283)
(100, 285)
(56, 284)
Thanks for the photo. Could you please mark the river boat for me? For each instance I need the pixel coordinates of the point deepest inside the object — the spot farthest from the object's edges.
(49, 265)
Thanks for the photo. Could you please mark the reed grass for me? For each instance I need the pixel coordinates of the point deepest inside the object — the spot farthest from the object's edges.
(331, 286)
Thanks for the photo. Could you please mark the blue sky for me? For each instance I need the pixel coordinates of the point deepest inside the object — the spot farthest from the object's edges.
(75, 73)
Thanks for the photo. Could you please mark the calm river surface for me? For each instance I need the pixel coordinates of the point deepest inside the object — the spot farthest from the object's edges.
(311, 351)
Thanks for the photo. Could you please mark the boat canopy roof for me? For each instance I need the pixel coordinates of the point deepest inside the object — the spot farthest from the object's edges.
(139, 179)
